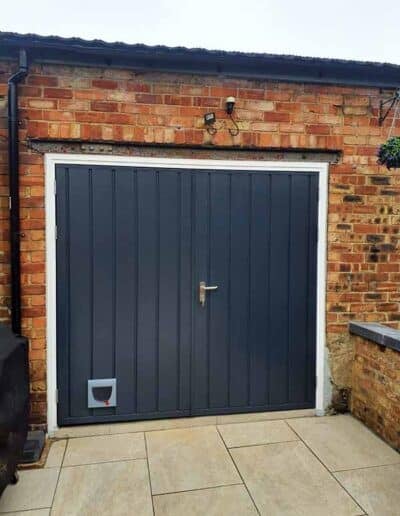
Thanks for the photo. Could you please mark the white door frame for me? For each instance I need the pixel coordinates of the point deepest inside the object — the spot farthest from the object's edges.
(51, 160)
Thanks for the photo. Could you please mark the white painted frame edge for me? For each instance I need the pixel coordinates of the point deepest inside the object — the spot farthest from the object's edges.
(51, 160)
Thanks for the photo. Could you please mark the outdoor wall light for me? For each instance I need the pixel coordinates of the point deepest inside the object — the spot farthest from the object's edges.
(210, 119)
(229, 106)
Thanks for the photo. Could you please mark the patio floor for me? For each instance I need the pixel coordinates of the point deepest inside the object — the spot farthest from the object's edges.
(216, 466)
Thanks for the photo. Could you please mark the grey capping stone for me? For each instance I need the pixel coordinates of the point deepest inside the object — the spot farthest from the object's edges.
(379, 333)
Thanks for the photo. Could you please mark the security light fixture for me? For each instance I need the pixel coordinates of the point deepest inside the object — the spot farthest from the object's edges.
(209, 121)
(209, 118)
(229, 104)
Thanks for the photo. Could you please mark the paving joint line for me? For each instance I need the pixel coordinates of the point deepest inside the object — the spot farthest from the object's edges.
(330, 472)
(367, 467)
(207, 488)
(58, 476)
(148, 472)
(116, 461)
(240, 475)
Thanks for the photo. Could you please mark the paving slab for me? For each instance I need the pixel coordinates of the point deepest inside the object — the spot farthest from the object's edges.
(34, 490)
(259, 432)
(104, 448)
(81, 431)
(286, 479)
(217, 501)
(342, 442)
(162, 424)
(377, 489)
(264, 416)
(56, 454)
(112, 488)
(190, 458)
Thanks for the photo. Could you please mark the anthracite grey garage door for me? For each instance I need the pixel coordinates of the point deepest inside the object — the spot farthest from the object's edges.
(133, 246)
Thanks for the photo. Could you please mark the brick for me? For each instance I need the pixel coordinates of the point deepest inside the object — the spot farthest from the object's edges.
(375, 394)
(105, 84)
(57, 93)
(42, 80)
(178, 100)
(147, 98)
(42, 104)
(139, 87)
(98, 105)
(276, 117)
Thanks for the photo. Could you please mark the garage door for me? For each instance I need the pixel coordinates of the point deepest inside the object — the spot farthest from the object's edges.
(138, 335)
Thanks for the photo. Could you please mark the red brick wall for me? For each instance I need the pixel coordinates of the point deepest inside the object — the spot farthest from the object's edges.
(375, 397)
(62, 102)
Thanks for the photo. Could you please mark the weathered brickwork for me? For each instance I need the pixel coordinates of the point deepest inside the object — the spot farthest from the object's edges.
(375, 397)
(61, 102)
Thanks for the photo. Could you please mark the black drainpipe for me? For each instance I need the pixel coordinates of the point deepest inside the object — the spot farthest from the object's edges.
(13, 164)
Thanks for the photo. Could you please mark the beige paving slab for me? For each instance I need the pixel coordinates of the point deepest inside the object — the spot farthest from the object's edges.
(186, 422)
(34, 490)
(190, 458)
(56, 454)
(264, 416)
(342, 442)
(104, 448)
(38, 512)
(259, 432)
(377, 489)
(286, 479)
(111, 488)
(81, 431)
(162, 424)
(217, 501)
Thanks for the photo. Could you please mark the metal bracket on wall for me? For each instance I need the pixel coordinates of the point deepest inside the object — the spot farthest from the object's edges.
(391, 101)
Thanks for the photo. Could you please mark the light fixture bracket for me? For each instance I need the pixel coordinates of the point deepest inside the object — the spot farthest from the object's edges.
(391, 101)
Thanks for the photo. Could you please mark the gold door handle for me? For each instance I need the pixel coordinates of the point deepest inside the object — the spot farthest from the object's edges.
(203, 290)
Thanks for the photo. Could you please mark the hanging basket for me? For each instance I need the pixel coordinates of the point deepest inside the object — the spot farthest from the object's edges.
(389, 153)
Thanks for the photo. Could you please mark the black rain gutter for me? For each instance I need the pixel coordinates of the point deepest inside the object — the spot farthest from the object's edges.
(144, 58)
(13, 167)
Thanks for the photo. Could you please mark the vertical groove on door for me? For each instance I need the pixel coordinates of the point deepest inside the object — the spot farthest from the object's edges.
(91, 272)
(91, 260)
(136, 306)
(248, 343)
(312, 287)
(229, 332)
(307, 371)
(193, 294)
(269, 294)
(208, 280)
(179, 278)
(289, 286)
(258, 293)
(114, 272)
(67, 287)
(125, 289)
(157, 311)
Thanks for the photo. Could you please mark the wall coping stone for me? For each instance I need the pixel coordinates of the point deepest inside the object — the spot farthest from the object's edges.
(379, 333)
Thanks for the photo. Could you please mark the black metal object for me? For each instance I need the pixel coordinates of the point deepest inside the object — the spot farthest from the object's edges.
(391, 101)
(13, 163)
(14, 403)
(33, 448)
(53, 49)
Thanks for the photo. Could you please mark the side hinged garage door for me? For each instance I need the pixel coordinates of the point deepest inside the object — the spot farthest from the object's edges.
(134, 339)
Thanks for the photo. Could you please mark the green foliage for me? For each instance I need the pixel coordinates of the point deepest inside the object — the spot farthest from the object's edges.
(389, 153)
